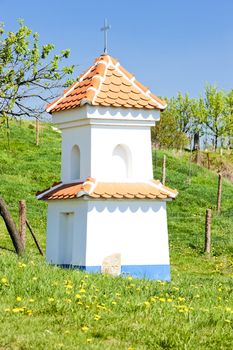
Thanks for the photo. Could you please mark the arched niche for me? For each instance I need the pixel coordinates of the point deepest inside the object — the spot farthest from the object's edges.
(75, 163)
(121, 162)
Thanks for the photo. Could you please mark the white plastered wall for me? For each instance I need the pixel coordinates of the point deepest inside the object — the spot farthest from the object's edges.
(79, 210)
(80, 137)
(104, 139)
(97, 131)
(135, 229)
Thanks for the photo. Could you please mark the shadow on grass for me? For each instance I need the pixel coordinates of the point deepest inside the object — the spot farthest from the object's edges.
(9, 250)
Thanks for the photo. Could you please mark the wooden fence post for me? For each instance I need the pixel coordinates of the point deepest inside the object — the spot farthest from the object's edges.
(164, 170)
(197, 156)
(34, 237)
(22, 222)
(219, 193)
(208, 160)
(208, 231)
(37, 131)
(11, 227)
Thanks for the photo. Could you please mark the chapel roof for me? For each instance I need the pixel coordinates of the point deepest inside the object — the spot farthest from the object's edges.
(107, 83)
(91, 188)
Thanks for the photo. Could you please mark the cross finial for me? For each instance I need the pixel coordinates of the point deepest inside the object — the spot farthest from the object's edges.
(105, 28)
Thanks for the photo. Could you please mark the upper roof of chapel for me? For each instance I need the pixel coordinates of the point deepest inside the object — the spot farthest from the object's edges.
(107, 83)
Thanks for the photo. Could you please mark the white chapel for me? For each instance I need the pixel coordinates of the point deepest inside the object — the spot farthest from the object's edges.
(108, 213)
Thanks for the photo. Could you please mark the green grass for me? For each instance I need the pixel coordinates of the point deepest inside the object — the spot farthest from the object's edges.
(45, 307)
(197, 191)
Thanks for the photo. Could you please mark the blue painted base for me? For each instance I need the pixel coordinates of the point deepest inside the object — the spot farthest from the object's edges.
(151, 272)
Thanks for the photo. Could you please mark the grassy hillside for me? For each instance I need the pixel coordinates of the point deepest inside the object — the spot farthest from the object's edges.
(46, 307)
(197, 191)
(26, 168)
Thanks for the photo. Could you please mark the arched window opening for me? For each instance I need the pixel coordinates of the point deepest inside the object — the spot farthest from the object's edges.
(75, 163)
(121, 162)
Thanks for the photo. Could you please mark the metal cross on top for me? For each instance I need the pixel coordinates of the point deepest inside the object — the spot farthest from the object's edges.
(105, 28)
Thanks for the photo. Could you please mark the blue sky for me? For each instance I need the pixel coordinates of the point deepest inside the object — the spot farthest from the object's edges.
(169, 45)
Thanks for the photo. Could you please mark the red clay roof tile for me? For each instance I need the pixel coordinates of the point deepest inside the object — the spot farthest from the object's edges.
(107, 76)
(107, 190)
(116, 81)
(100, 69)
(114, 88)
(125, 72)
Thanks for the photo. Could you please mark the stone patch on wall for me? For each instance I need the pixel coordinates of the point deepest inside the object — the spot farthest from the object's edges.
(112, 265)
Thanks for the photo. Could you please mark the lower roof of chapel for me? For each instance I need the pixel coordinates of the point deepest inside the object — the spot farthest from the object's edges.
(91, 188)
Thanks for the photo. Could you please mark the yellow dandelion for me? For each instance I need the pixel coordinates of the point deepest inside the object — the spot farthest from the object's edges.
(146, 303)
(97, 318)
(69, 286)
(21, 265)
(82, 290)
(78, 296)
(130, 278)
(79, 303)
(113, 303)
(162, 300)
(130, 348)
(29, 312)
(16, 309)
(50, 300)
(227, 308)
(18, 298)
(31, 300)
(4, 280)
(161, 283)
(227, 321)
(34, 278)
(169, 300)
(85, 328)
(89, 340)
(181, 299)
